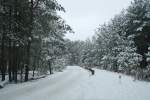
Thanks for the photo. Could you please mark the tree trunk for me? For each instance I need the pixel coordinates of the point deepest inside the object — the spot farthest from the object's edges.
(10, 47)
(22, 63)
(2, 43)
(27, 62)
(34, 66)
(29, 42)
(50, 67)
(2, 59)
(10, 62)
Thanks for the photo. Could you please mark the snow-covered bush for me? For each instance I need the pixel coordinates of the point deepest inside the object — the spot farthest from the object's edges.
(147, 71)
(128, 59)
(60, 63)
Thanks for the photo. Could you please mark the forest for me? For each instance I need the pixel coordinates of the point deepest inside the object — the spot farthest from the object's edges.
(32, 41)
(32, 38)
(121, 45)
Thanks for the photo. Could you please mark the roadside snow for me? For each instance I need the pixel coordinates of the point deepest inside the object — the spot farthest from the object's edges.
(3, 83)
(107, 86)
(76, 83)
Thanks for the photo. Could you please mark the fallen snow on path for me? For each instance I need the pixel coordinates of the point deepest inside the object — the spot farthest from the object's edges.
(76, 83)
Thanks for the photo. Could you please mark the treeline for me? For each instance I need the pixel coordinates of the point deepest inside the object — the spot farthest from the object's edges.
(31, 38)
(122, 44)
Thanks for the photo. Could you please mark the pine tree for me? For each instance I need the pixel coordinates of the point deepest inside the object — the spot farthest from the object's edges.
(128, 59)
(139, 24)
(24, 25)
(147, 71)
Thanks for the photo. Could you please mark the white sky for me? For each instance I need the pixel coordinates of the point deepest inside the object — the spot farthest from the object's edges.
(84, 16)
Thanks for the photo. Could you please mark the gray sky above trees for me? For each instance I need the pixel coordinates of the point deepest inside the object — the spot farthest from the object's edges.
(84, 16)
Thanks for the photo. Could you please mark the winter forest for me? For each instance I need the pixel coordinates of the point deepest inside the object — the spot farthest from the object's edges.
(31, 37)
(33, 43)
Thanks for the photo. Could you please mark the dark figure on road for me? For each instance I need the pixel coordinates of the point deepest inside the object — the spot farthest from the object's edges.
(92, 71)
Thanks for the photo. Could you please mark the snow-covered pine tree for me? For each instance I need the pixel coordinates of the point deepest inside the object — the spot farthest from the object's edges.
(147, 71)
(87, 58)
(138, 15)
(128, 59)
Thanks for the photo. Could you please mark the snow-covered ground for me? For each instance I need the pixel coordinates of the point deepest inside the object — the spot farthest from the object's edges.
(76, 83)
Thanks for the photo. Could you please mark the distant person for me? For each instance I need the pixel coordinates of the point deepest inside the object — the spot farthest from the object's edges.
(120, 79)
(119, 76)
(92, 71)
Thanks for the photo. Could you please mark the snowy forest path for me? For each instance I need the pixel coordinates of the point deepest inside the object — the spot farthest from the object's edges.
(76, 83)
(54, 87)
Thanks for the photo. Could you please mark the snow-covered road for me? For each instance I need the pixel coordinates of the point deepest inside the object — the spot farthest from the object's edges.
(76, 83)
(61, 86)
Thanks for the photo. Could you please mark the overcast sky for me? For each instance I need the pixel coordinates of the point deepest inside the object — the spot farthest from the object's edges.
(84, 16)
